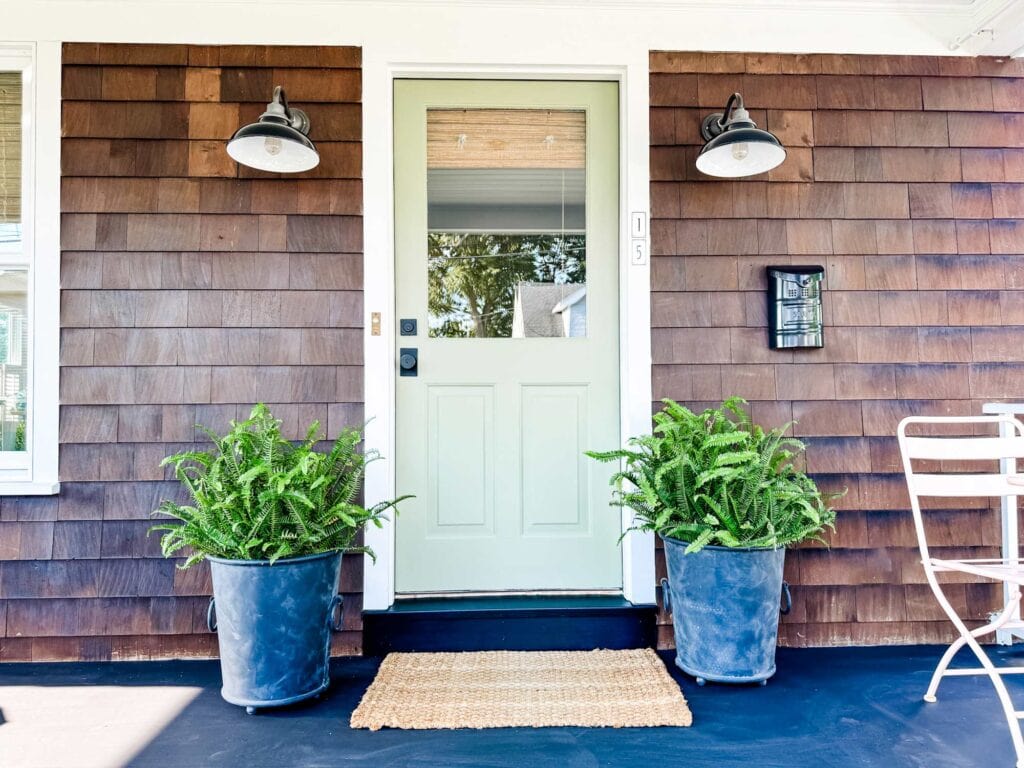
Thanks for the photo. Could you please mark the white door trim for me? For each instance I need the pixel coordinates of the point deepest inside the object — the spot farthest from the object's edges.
(379, 290)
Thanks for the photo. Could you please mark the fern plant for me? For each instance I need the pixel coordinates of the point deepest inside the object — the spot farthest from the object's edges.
(716, 478)
(256, 496)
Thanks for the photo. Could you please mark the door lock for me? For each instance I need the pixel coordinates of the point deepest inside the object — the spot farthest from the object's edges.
(408, 360)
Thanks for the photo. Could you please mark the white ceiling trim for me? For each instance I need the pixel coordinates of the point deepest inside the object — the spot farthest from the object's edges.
(996, 29)
(962, 8)
(923, 27)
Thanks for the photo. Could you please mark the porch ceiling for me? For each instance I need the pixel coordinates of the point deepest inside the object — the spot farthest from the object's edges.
(921, 27)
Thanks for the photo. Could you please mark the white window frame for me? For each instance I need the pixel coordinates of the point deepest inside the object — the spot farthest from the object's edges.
(33, 472)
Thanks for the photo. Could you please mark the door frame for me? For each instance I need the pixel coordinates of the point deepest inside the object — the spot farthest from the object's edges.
(379, 372)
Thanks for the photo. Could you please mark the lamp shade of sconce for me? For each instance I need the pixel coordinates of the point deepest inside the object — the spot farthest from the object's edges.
(735, 145)
(277, 141)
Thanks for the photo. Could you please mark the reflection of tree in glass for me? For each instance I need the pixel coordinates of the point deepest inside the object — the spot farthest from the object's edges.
(471, 278)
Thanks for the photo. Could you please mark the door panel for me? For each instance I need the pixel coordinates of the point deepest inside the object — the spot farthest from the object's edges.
(554, 430)
(461, 456)
(506, 245)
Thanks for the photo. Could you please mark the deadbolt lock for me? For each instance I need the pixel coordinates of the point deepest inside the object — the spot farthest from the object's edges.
(408, 360)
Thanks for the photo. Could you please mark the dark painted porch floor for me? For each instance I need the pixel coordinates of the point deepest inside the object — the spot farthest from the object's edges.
(825, 707)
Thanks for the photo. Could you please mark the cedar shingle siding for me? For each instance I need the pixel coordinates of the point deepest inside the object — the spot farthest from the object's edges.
(190, 289)
(904, 180)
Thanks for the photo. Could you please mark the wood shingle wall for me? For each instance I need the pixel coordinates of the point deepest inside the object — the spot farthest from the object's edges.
(191, 288)
(905, 180)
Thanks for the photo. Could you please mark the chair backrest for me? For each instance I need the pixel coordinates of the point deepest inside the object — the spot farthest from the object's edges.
(1006, 449)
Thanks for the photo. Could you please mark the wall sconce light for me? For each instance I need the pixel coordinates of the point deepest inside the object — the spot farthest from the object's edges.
(735, 145)
(277, 141)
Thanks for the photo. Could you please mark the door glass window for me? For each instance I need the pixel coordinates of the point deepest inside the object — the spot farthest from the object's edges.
(506, 223)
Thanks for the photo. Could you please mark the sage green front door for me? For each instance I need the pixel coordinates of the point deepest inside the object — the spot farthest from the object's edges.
(506, 242)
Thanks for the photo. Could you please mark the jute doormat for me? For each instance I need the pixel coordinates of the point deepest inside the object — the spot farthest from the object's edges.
(504, 689)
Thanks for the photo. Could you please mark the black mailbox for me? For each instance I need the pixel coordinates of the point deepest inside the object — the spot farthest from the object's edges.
(794, 307)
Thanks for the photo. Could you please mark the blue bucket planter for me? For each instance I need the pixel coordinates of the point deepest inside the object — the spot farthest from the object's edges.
(273, 625)
(725, 610)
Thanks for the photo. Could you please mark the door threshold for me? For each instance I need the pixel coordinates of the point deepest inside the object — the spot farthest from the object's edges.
(517, 605)
(503, 622)
(509, 593)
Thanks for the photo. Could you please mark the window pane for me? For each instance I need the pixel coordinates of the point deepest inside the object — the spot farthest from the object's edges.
(10, 159)
(13, 357)
(506, 242)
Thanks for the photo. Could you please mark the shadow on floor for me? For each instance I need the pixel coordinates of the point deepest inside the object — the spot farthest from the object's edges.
(838, 707)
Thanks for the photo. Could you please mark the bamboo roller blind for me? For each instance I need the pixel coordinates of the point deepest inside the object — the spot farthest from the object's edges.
(10, 146)
(506, 138)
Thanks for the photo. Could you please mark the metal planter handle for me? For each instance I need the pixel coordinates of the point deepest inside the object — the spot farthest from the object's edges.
(784, 609)
(335, 616)
(787, 598)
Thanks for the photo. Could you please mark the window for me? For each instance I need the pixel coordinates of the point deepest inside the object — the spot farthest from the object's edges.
(29, 264)
(506, 220)
(13, 275)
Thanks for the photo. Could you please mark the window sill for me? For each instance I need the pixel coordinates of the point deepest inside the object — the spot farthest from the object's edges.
(27, 488)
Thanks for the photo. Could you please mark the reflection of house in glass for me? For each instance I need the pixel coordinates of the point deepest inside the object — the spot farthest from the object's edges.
(13, 358)
(549, 310)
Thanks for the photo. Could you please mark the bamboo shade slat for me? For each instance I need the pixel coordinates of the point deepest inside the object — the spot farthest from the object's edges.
(506, 138)
(10, 147)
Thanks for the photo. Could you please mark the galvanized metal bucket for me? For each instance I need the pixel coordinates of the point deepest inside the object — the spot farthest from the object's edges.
(273, 625)
(725, 610)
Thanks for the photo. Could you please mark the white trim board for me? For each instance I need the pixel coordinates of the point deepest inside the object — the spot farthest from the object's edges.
(958, 8)
(378, 276)
(487, 31)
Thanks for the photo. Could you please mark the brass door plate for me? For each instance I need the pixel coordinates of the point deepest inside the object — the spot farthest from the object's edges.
(375, 323)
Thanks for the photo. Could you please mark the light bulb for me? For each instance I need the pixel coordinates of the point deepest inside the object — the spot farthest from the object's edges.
(740, 150)
(272, 145)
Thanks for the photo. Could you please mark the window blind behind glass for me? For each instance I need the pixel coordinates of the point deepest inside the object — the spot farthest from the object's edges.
(10, 153)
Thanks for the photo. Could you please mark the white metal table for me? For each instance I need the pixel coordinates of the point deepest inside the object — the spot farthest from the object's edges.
(1008, 512)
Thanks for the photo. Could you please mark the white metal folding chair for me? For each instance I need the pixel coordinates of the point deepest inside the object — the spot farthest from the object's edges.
(1010, 571)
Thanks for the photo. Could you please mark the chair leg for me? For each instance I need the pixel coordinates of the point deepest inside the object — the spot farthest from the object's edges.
(940, 670)
(969, 638)
(947, 658)
(1004, 699)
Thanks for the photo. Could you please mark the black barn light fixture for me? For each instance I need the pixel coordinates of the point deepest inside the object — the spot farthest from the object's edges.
(277, 141)
(735, 145)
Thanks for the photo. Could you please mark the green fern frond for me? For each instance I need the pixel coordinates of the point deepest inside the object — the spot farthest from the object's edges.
(716, 477)
(256, 495)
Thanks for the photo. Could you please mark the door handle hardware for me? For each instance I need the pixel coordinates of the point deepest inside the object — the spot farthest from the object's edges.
(408, 360)
(407, 326)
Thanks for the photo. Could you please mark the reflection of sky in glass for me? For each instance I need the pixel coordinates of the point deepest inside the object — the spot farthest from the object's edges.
(472, 278)
(10, 233)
